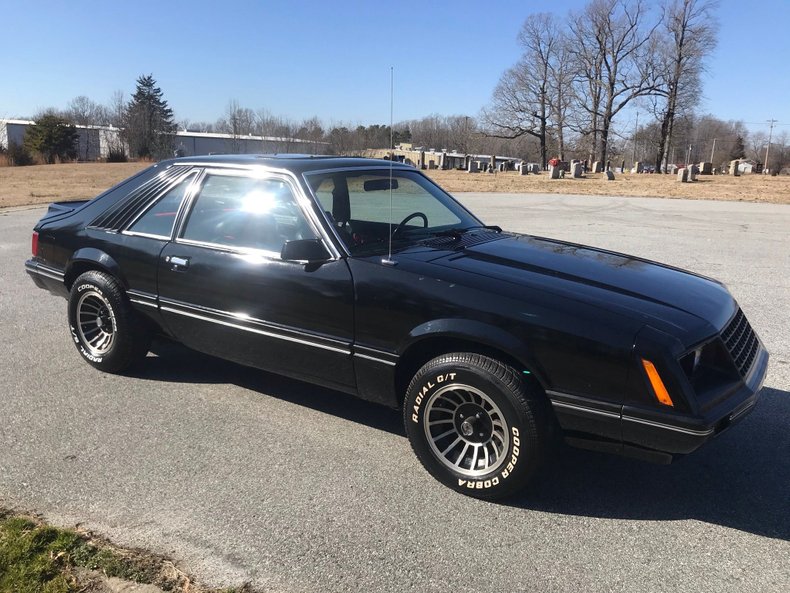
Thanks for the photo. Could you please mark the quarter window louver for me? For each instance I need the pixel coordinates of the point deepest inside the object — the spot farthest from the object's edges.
(124, 211)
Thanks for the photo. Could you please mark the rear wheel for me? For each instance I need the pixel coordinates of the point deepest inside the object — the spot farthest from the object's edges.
(107, 332)
(475, 424)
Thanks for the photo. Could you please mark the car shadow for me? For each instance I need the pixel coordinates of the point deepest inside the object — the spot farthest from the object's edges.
(740, 479)
(175, 363)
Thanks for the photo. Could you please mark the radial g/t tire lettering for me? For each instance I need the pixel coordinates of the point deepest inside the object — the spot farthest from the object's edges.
(475, 424)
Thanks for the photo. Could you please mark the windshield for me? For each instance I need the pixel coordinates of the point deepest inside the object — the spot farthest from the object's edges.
(357, 204)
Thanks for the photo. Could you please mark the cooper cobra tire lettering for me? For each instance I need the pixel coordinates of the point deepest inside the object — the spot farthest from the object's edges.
(479, 483)
(107, 332)
(454, 384)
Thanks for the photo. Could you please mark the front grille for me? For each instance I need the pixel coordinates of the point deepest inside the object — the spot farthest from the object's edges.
(741, 342)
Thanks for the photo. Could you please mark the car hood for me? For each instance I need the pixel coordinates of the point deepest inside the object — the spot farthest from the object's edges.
(590, 274)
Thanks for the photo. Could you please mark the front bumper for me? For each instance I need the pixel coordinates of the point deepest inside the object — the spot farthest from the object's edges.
(678, 434)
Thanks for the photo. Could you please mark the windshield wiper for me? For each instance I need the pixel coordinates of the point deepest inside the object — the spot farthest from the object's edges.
(458, 232)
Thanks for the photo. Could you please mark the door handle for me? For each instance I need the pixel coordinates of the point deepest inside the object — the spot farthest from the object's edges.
(177, 263)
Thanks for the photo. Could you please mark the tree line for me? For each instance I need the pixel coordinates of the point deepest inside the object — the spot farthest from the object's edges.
(145, 125)
(577, 75)
(567, 95)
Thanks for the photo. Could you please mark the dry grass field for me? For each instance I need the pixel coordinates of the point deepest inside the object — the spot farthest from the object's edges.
(747, 188)
(41, 184)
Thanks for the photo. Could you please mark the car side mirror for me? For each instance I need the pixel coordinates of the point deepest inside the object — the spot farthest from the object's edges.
(309, 250)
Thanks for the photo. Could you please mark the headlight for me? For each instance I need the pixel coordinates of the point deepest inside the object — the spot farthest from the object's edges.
(690, 362)
(708, 366)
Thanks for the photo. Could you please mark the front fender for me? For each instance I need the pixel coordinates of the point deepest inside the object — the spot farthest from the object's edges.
(490, 336)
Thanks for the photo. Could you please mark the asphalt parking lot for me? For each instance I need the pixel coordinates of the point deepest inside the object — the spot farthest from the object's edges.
(243, 476)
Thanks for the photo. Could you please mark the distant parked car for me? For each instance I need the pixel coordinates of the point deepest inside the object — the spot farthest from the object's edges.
(366, 277)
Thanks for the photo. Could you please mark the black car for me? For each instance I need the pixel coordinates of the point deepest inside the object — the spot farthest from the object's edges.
(366, 277)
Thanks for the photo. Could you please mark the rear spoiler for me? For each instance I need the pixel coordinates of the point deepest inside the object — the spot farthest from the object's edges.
(61, 209)
(64, 207)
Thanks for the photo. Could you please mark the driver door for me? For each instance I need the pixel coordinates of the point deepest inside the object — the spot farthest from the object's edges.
(224, 289)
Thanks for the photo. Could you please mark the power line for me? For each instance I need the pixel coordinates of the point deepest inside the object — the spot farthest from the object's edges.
(762, 123)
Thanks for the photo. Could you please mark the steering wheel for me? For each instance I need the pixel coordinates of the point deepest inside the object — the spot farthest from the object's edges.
(403, 222)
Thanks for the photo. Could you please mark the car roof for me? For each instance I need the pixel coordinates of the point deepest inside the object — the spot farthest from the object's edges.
(297, 163)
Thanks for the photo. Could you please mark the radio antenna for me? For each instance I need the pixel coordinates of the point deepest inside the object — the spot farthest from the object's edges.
(389, 261)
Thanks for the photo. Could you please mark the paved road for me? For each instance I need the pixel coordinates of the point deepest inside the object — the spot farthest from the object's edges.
(244, 476)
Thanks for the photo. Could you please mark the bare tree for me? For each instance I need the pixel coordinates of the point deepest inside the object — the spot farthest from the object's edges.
(777, 155)
(523, 101)
(115, 109)
(715, 138)
(561, 94)
(430, 131)
(86, 113)
(612, 42)
(460, 130)
(237, 122)
(278, 132)
(435, 131)
(311, 130)
(780, 155)
(113, 115)
(689, 37)
(200, 126)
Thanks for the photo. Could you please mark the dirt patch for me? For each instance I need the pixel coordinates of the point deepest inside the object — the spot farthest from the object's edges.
(41, 184)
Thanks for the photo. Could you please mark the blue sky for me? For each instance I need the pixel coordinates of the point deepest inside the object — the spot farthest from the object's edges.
(331, 59)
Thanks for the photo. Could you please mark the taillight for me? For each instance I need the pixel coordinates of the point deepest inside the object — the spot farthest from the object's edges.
(35, 244)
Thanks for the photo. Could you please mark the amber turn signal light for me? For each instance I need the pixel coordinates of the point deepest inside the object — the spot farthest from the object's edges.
(660, 390)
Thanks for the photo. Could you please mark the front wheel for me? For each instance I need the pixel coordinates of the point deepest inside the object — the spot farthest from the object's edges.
(106, 330)
(475, 424)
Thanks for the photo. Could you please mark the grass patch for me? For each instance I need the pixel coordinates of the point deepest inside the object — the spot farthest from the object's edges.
(38, 558)
(35, 558)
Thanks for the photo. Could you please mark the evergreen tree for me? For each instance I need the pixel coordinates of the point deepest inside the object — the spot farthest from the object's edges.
(148, 121)
(738, 149)
(52, 137)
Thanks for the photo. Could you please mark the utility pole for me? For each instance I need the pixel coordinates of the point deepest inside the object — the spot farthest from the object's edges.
(466, 134)
(713, 150)
(767, 148)
(636, 130)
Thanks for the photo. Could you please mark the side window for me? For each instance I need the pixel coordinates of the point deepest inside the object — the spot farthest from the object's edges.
(158, 219)
(324, 194)
(246, 212)
(373, 205)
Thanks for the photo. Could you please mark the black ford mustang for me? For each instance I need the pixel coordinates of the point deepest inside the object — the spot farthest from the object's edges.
(365, 277)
